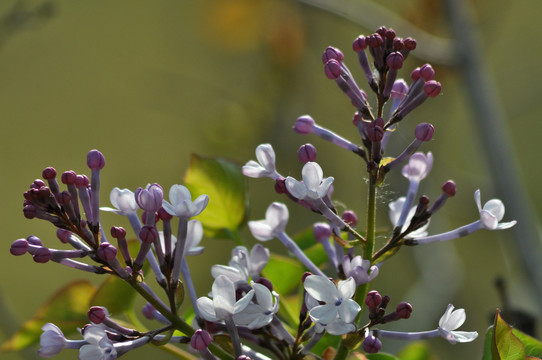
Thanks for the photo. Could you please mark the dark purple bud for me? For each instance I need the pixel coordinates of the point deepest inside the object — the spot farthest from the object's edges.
(424, 200)
(399, 89)
(404, 310)
(44, 192)
(381, 31)
(410, 43)
(304, 124)
(332, 53)
(415, 74)
(371, 344)
(322, 231)
(29, 211)
(42, 255)
(375, 133)
(37, 183)
(107, 252)
(148, 311)
(118, 232)
(306, 153)
(333, 69)
(95, 160)
(148, 234)
(19, 247)
(427, 72)
(63, 235)
(379, 122)
(49, 173)
(34, 240)
(280, 185)
(360, 43)
(424, 132)
(375, 40)
(265, 282)
(164, 215)
(398, 44)
(390, 34)
(200, 340)
(350, 217)
(385, 301)
(449, 188)
(394, 60)
(97, 314)
(373, 299)
(432, 88)
(81, 181)
(68, 177)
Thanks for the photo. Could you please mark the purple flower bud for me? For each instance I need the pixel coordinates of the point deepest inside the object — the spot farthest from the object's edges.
(403, 310)
(63, 235)
(424, 132)
(415, 74)
(371, 344)
(333, 69)
(29, 211)
(97, 314)
(280, 185)
(375, 40)
(148, 311)
(375, 133)
(381, 31)
(164, 215)
(304, 124)
(449, 188)
(360, 43)
(107, 252)
(81, 181)
(95, 160)
(37, 183)
(332, 53)
(350, 217)
(427, 72)
(34, 240)
(410, 43)
(306, 153)
(390, 34)
(265, 282)
(68, 177)
(118, 232)
(322, 231)
(49, 173)
(373, 299)
(42, 255)
(200, 340)
(398, 44)
(394, 60)
(432, 88)
(148, 234)
(150, 199)
(399, 89)
(19, 247)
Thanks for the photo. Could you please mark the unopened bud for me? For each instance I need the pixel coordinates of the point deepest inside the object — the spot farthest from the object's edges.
(306, 153)
(404, 310)
(34, 240)
(410, 43)
(332, 53)
(373, 299)
(304, 124)
(350, 217)
(68, 177)
(432, 88)
(19, 247)
(49, 173)
(107, 252)
(333, 69)
(97, 314)
(394, 60)
(424, 132)
(280, 185)
(371, 344)
(449, 188)
(148, 234)
(322, 231)
(360, 43)
(95, 160)
(118, 232)
(42, 255)
(200, 340)
(427, 72)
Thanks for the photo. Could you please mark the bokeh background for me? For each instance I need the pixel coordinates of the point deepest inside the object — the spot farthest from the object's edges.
(148, 83)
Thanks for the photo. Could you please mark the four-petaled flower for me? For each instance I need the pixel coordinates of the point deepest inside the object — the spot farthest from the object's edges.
(52, 341)
(181, 202)
(337, 299)
(259, 313)
(492, 213)
(123, 201)
(418, 167)
(314, 186)
(265, 166)
(276, 218)
(99, 346)
(358, 269)
(451, 320)
(223, 305)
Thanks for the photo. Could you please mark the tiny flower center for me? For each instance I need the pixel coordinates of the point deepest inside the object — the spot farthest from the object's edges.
(339, 302)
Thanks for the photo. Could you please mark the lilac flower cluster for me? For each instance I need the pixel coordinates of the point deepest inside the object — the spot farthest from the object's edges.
(243, 303)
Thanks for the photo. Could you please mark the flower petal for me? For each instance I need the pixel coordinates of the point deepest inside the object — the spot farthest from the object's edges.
(266, 156)
(223, 297)
(295, 188)
(348, 310)
(261, 230)
(347, 288)
(321, 289)
(324, 314)
(312, 175)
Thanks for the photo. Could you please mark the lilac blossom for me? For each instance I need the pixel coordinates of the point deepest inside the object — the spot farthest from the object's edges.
(52, 341)
(265, 166)
(181, 203)
(259, 313)
(314, 186)
(360, 270)
(123, 201)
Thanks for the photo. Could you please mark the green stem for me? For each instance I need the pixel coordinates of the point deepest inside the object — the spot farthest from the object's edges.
(179, 323)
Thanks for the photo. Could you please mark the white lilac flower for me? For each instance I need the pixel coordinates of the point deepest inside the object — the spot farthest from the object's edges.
(123, 201)
(396, 208)
(181, 203)
(337, 299)
(334, 327)
(259, 313)
(418, 167)
(265, 166)
(276, 218)
(492, 213)
(223, 305)
(243, 264)
(358, 269)
(52, 341)
(99, 346)
(194, 235)
(451, 320)
(314, 186)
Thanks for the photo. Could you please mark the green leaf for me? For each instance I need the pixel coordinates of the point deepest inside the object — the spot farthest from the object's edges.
(505, 345)
(415, 351)
(226, 186)
(487, 344)
(284, 273)
(533, 347)
(67, 309)
(381, 356)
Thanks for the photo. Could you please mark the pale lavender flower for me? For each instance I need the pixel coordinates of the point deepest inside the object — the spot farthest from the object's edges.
(98, 347)
(276, 218)
(451, 320)
(123, 201)
(259, 313)
(181, 202)
(314, 186)
(52, 341)
(265, 166)
(358, 269)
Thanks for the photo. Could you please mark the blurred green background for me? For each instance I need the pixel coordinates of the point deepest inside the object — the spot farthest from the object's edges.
(147, 83)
